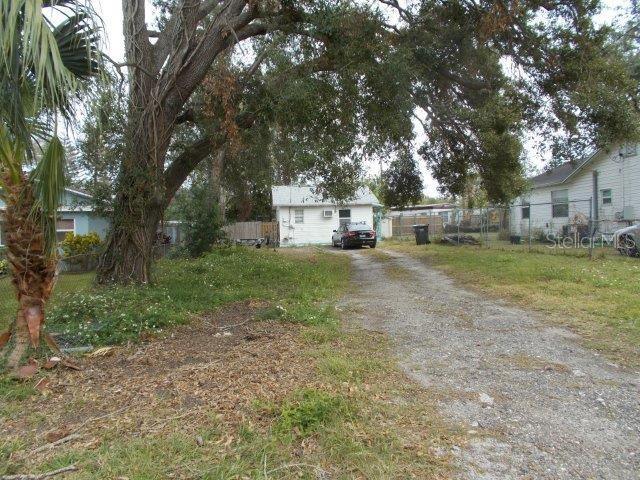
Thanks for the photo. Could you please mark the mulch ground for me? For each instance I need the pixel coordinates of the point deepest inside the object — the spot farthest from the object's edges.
(216, 365)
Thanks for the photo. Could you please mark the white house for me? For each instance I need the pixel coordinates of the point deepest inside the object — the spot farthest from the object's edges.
(306, 218)
(604, 187)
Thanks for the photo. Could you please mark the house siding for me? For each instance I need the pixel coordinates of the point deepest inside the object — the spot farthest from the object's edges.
(76, 207)
(622, 176)
(316, 229)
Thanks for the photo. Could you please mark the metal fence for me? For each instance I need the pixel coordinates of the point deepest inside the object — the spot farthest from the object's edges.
(571, 227)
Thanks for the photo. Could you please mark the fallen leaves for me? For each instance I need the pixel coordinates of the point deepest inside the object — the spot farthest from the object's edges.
(28, 371)
(175, 384)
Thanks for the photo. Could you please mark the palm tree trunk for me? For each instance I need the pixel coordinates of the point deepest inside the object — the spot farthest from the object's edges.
(32, 269)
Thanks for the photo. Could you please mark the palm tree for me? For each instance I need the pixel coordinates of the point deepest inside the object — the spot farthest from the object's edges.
(43, 68)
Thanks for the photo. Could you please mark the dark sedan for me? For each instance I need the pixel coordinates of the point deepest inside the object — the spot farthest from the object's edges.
(354, 235)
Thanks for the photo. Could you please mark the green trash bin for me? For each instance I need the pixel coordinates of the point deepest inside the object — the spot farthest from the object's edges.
(422, 234)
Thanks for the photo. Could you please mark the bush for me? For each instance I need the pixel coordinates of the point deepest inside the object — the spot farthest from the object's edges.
(4, 266)
(74, 245)
(201, 220)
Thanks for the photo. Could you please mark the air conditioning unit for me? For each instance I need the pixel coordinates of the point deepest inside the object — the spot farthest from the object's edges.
(327, 213)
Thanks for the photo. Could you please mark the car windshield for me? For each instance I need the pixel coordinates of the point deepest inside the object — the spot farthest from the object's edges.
(359, 227)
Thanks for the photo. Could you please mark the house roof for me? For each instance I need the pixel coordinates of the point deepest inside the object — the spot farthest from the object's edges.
(561, 173)
(289, 195)
(80, 207)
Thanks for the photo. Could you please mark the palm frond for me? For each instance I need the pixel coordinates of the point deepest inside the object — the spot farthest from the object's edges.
(49, 60)
(77, 40)
(48, 179)
(11, 156)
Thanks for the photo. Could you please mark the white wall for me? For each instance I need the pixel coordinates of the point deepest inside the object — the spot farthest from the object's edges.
(316, 229)
(622, 176)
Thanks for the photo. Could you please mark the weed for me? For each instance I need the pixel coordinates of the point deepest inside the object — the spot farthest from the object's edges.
(308, 410)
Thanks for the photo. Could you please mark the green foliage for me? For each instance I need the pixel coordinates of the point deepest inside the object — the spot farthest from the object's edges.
(401, 182)
(4, 266)
(198, 211)
(102, 146)
(309, 410)
(104, 316)
(42, 66)
(73, 244)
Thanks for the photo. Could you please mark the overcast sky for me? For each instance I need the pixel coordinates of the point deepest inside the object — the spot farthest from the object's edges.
(111, 13)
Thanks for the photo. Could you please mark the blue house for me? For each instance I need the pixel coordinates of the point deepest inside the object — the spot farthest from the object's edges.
(75, 215)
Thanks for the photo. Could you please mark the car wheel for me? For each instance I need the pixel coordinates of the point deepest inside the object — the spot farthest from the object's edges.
(629, 247)
(373, 245)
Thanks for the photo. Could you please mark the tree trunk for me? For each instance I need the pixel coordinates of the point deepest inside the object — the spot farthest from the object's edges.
(139, 206)
(162, 77)
(32, 269)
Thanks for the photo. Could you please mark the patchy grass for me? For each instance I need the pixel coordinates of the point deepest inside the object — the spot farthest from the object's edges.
(268, 386)
(81, 314)
(67, 283)
(599, 299)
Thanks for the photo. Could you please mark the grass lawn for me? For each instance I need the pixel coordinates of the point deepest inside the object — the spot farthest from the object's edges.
(599, 299)
(261, 381)
(66, 283)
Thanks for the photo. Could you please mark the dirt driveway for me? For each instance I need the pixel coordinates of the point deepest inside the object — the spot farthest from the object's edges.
(535, 404)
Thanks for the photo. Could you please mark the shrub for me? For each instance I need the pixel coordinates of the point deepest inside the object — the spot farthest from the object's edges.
(201, 220)
(4, 266)
(73, 245)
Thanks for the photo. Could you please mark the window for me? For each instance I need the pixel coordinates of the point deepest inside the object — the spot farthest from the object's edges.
(64, 226)
(606, 196)
(345, 216)
(299, 215)
(445, 216)
(629, 149)
(560, 201)
(526, 210)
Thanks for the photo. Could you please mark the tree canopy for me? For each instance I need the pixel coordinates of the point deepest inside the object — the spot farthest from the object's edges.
(286, 92)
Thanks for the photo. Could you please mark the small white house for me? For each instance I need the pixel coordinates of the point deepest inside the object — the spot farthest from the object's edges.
(604, 187)
(306, 218)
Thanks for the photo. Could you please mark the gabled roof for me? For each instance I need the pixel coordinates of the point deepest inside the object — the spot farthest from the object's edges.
(561, 173)
(289, 195)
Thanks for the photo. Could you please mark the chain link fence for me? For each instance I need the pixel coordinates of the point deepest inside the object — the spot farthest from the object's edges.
(568, 228)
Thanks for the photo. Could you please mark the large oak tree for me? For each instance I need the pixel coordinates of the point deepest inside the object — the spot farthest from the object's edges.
(479, 72)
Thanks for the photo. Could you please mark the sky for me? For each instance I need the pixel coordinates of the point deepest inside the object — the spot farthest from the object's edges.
(111, 13)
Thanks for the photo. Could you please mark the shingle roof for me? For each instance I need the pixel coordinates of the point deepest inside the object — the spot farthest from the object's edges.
(286, 195)
(560, 173)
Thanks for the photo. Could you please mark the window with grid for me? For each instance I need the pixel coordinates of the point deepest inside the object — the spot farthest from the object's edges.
(560, 201)
(299, 215)
(605, 194)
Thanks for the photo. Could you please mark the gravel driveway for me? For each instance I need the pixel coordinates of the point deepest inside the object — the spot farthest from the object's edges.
(535, 403)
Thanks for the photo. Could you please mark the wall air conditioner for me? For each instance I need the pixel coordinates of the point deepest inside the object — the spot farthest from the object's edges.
(327, 213)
